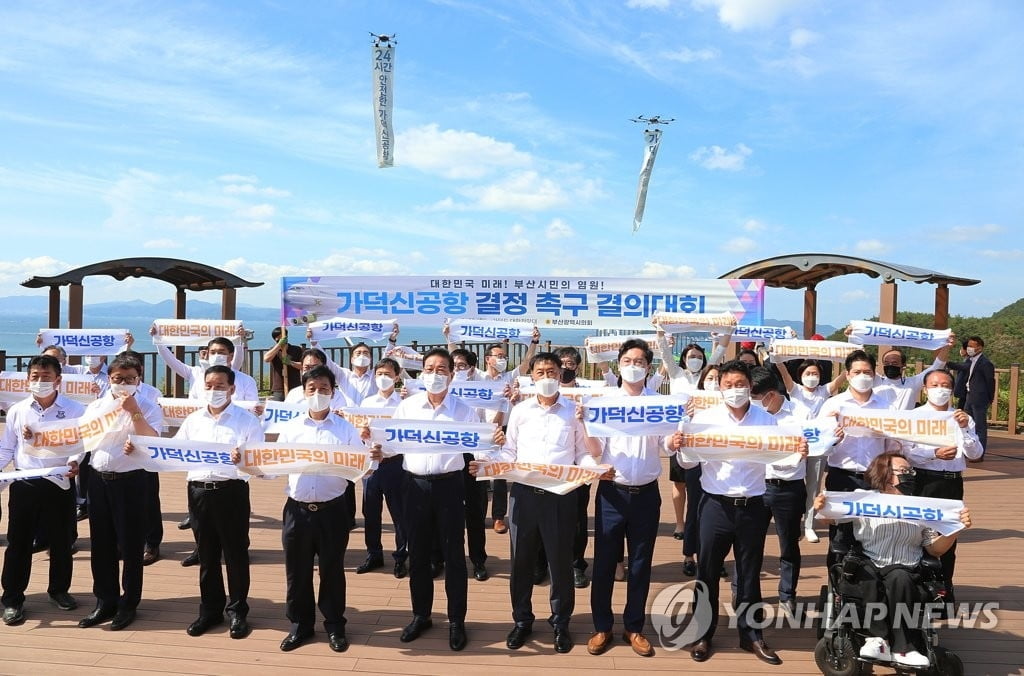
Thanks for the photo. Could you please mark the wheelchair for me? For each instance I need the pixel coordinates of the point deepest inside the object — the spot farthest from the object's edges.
(837, 652)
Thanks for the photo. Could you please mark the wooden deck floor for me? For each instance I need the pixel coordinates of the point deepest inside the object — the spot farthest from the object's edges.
(989, 569)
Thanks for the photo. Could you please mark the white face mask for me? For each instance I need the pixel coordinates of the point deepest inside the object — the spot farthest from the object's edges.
(694, 364)
(710, 385)
(204, 363)
(501, 365)
(736, 396)
(810, 382)
(41, 388)
(216, 398)
(384, 382)
(759, 403)
(547, 387)
(971, 351)
(360, 360)
(93, 360)
(460, 376)
(862, 382)
(318, 402)
(122, 390)
(632, 373)
(435, 383)
(218, 360)
(939, 396)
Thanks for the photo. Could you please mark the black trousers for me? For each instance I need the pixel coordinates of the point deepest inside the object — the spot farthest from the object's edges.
(499, 499)
(581, 532)
(321, 534)
(350, 500)
(785, 503)
(435, 511)
(691, 528)
(154, 516)
(901, 593)
(220, 521)
(937, 485)
(633, 516)
(37, 504)
(741, 528)
(841, 480)
(538, 516)
(117, 514)
(978, 410)
(476, 508)
(385, 484)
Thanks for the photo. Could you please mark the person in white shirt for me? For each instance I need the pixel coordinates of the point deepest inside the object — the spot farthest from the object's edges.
(218, 501)
(311, 358)
(48, 501)
(118, 498)
(627, 507)
(219, 352)
(940, 470)
(315, 521)
(733, 514)
(434, 494)
(907, 390)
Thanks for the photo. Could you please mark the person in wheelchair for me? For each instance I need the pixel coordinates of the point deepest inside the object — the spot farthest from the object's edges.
(895, 549)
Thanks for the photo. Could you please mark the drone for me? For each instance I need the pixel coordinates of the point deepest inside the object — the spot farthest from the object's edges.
(384, 38)
(653, 119)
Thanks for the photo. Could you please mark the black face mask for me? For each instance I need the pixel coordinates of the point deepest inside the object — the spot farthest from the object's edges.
(892, 372)
(906, 484)
(568, 375)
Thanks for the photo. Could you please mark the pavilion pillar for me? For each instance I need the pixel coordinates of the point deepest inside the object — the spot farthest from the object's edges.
(53, 319)
(886, 313)
(75, 310)
(179, 350)
(228, 303)
(810, 311)
(942, 306)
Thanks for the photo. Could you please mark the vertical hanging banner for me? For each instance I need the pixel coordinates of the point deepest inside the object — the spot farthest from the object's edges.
(652, 138)
(383, 93)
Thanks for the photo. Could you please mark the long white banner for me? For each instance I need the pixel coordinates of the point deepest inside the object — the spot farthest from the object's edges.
(606, 348)
(681, 322)
(826, 350)
(105, 425)
(274, 459)
(626, 416)
(432, 436)
(920, 425)
(581, 303)
(485, 331)
(755, 443)
(37, 473)
(383, 67)
(762, 333)
(362, 417)
(14, 387)
(342, 327)
(488, 394)
(878, 333)
(558, 479)
(194, 331)
(820, 434)
(406, 357)
(156, 454)
(652, 139)
(85, 341)
(939, 514)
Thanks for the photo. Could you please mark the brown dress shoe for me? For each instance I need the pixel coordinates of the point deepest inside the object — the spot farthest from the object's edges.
(700, 651)
(762, 651)
(599, 642)
(641, 646)
(500, 527)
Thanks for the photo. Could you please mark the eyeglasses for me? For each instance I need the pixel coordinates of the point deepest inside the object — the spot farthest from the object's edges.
(462, 367)
(909, 471)
(118, 380)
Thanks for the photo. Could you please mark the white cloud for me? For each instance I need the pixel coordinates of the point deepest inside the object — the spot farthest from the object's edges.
(801, 37)
(559, 229)
(237, 178)
(739, 245)
(457, 154)
(753, 225)
(687, 55)
(250, 189)
(355, 261)
(16, 272)
(855, 295)
(717, 157)
(520, 191)
(741, 15)
(654, 270)
(963, 233)
(871, 246)
(161, 244)
(1003, 254)
(483, 252)
(649, 4)
(258, 212)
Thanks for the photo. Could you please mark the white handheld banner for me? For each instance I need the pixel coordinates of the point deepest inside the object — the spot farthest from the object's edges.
(626, 416)
(383, 50)
(274, 459)
(558, 479)
(766, 444)
(683, 322)
(820, 434)
(826, 350)
(483, 331)
(85, 341)
(938, 514)
(488, 394)
(63, 438)
(606, 348)
(406, 357)
(878, 333)
(156, 454)
(432, 436)
(762, 333)
(920, 425)
(194, 331)
(362, 416)
(652, 139)
(341, 327)
(14, 387)
(36, 473)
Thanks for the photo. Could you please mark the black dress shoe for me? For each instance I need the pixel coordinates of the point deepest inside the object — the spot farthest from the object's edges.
(689, 567)
(185, 523)
(457, 636)
(81, 513)
(122, 619)
(724, 573)
(480, 572)
(190, 560)
(14, 615)
(337, 641)
(39, 547)
(436, 570)
(239, 627)
(64, 601)
(700, 651)
(579, 578)
(295, 639)
(371, 563)
(761, 651)
(517, 637)
(98, 615)
(563, 641)
(401, 569)
(204, 624)
(413, 630)
(150, 556)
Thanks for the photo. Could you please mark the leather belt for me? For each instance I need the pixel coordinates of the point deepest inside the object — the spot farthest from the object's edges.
(735, 501)
(317, 506)
(783, 482)
(114, 476)
(437, 477)
(633, 490)
(938, 473)
(212, 485)
(859, 475)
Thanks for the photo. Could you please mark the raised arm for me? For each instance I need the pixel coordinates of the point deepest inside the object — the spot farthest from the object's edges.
(524, 366)
(672, 369)
(243, 342)
(172, 362)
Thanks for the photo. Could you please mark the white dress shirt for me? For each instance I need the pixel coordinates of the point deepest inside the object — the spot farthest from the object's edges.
(812, 400)
(790, 413)
(418, 407)
(331, 430)
(733, 478)
(906, 392)
(968, 446)
(234, 426)
(544, 434)
(111, 457)
(636, 459)
(378, 400)
(856, 453)
(355, 387)
(29, 412)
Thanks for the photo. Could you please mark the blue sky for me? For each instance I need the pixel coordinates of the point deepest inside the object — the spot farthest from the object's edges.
(241, 135)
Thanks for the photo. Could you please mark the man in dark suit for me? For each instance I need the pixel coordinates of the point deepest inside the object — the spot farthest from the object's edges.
(976, 386)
